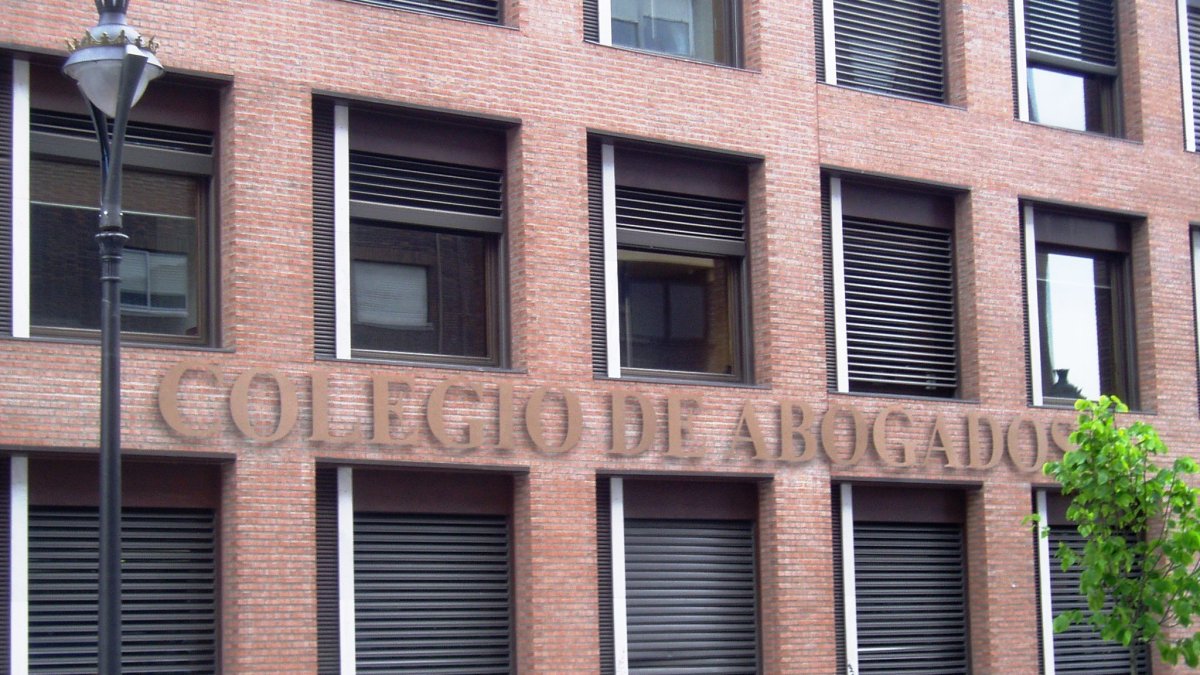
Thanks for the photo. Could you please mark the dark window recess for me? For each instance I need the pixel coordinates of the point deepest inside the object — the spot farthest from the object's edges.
(1193, 28)
(690, 593)
(679, 268)
(900, 320)
(911, 596)
(1071, 64)
(165, 275)
(168, 587)
(483, 11)
(432, 593)
(1080, 650)
(891, 47)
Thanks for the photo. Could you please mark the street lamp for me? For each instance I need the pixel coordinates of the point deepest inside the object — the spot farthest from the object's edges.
(112, 64)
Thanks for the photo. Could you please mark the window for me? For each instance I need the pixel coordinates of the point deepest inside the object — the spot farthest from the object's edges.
(900, 579)
(1079, 650)
(1067, 64)
(483, 11)
(668, 245)
(1189, 58)
(1077, 284)
(169, 560)
(704, 30)
(678, 591)
(167, 281)
(408, 252)
(889, 48)
(413, 572)
(890, 259)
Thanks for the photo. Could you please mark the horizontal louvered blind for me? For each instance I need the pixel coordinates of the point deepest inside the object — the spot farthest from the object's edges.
(669, 213)
(324, 290)
(911, 594)
(596, 261)
(1080, 30)
(1193, 22)
(591, 20)
(891, 46)
(690, 594)
(431, 593)
(168, 590)
(6, 167)
(486, 11)
(138, 133)
(438, 186)
(328, 629)
(1080, 650)
(899, 307)
(604, 577)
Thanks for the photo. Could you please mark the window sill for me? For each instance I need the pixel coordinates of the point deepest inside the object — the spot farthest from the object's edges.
(905, 397)
(674, 57)
(126, 341)
(685, 379)
(898, 97)
(421, 363)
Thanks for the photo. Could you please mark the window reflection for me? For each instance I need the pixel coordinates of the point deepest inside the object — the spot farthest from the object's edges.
(699, 29)
(1076, 306)
(1069, 100)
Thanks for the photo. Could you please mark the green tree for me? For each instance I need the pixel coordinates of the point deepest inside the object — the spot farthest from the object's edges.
(1141, 532)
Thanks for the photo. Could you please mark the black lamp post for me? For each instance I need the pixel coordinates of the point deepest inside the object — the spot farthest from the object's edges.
(112, 64)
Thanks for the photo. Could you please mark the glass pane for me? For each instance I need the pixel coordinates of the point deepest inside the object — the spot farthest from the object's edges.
(161, 266)
(701, 29)
(419, 291)
(1078, 340)
(1069, 100)
(675, 312)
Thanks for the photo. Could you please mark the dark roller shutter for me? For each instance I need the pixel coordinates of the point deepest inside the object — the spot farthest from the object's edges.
(6, 224)
(819, 37)
(431, 593)
(159, 136)
(674, 215)
(596, 260)
(604, 578)
(839, 587)
(5, 570)
(324, 292)
(421, 184)
(328, 628)
(1077, 30)
(1193, 23)
(168, 590)
(690, 591)
(899, 307)
(831, 375)
(911, 594)
(484, 11)
(1080, 650)
(591, 21)
(891, 46)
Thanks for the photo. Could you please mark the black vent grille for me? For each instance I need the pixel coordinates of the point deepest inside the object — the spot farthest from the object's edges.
(596, 260)
(1193, 22)
(168, 588)
(911, 594)
(324, 291)
(1080, 650)
(891, 46)
(668, 213)
(604, 577)
(484, 11)
(137, 133)
(690, 591)
(6, 168)
(591, 21)
(328, 629)
(1080, 30)
(437, 186)
(899, 307)
(431, 593)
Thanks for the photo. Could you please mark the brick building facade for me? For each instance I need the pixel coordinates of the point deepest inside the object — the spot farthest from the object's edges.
(560, 337)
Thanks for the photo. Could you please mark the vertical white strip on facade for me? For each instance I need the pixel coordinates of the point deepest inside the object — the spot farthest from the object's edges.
(1019, 48)
(604, 16)
(341, 229)
(849, 585)
(18, 565)
(1196, 282)
(1185, 63)
(20, 198)
(620, 612)
(1043, 565)
(1035, 331)
(612, 296)
(829, 40)
(842, 356)
(345, 520)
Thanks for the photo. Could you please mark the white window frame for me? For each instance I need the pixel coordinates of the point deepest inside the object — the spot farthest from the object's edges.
(849, 580)
(1022, 65)
(341, 230)
(1185, 72)
(837, 241)
(1195, 235)
(620, 608)
(1046, 612)
(612, 298)
(1032, 308)
(829, 40)
(347, 653)
(20, 197)
(18, 564)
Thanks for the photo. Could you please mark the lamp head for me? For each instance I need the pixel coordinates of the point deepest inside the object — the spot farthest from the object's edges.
(96, 59)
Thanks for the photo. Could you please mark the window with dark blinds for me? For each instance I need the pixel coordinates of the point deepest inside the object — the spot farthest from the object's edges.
(1193, 31)
(1070, 64)
(892, 47)
(483, 11)
(1077, 30)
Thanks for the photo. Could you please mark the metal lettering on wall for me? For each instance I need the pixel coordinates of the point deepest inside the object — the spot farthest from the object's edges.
(787, 430)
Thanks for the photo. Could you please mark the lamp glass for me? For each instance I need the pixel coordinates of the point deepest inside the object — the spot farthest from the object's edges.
(97, 70)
